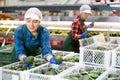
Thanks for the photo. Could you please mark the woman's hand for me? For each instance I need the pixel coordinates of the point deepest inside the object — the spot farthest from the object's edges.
(52, 60)
(28, 61)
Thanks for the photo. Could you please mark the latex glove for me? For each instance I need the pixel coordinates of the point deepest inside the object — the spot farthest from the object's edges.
(89, 26)
(83, 35)
(28, 64)
(52, 61)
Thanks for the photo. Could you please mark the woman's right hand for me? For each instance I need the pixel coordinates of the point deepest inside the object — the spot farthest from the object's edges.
(28, 61)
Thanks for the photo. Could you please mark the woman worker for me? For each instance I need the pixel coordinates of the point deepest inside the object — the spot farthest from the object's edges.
(78, 30)
(32, 39)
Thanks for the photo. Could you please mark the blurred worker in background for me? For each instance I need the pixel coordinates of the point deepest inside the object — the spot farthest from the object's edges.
(76, 13)
(32, 39)
(113, 13)
(78, 30)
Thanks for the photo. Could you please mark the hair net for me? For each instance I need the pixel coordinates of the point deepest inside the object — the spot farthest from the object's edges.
(33, 13)
(85, 9)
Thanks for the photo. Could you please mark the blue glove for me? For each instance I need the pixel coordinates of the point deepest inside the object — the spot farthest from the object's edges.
(26, 65)
(52, 61)
(83, 35)
(89, 26)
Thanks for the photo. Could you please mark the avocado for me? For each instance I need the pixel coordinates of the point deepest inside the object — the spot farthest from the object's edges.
(101, 48)
(112, 75)
(89, 35)
(58, 58)
(29, 60)
(93, 75)
(85, 77)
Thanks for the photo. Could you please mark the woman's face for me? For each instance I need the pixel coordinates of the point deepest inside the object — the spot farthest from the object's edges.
(84, 16)
(32, 24)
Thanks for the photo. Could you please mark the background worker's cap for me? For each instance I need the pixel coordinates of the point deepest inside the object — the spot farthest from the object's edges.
(33, 13)
(85, 9)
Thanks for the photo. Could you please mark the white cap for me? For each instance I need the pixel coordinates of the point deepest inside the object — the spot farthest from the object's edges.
(85, 9)
(33, 13)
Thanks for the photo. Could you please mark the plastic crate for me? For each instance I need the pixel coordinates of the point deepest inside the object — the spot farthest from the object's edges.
(86, 41)
(116, 57)
(99, 38)
(0, 73)
(115, 40)
(37, 74)
(79, 69)
(73, 57)
(62, 53)
(110, 74)
(15, 72)
(97, 54)
(7, 54)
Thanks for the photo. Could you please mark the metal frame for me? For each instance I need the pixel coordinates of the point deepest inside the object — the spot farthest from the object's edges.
(60, 7)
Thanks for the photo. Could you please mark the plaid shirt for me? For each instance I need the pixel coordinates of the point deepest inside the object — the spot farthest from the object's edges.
(76, 27)
(19, 42)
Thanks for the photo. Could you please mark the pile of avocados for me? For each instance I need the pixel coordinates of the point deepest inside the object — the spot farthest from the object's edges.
(72, 58)
(113, 76)
(53, 71)
(21, 67)
(84, 75)
(60, 53)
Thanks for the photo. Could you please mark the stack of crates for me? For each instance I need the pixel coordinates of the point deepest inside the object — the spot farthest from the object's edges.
(113, 73)
(97, 54)
(7, 54)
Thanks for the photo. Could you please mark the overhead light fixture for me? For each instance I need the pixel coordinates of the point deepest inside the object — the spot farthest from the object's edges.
(114, 5)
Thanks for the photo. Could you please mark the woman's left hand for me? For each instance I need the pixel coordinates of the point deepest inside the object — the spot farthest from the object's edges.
(52, 61)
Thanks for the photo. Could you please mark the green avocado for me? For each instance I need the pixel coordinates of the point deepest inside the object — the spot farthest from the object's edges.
(93, 75)
(58, 58)
(113, 75)
(29, 60)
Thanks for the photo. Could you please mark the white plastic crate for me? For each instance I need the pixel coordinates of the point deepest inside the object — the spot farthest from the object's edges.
(110, 74)
(1, 73)
(115, 40)
(116, 57)
(99, 38)
(86, 41)
(10, 72)
(77, 69)
(38, 57)
(97, 54)
(73, 57)
(62, 53)
(37, 74)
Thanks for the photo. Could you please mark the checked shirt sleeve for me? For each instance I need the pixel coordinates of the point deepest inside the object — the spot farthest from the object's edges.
(75, 26)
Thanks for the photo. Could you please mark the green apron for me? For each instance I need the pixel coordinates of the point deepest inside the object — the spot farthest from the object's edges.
(70, 44)
(33, 49)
